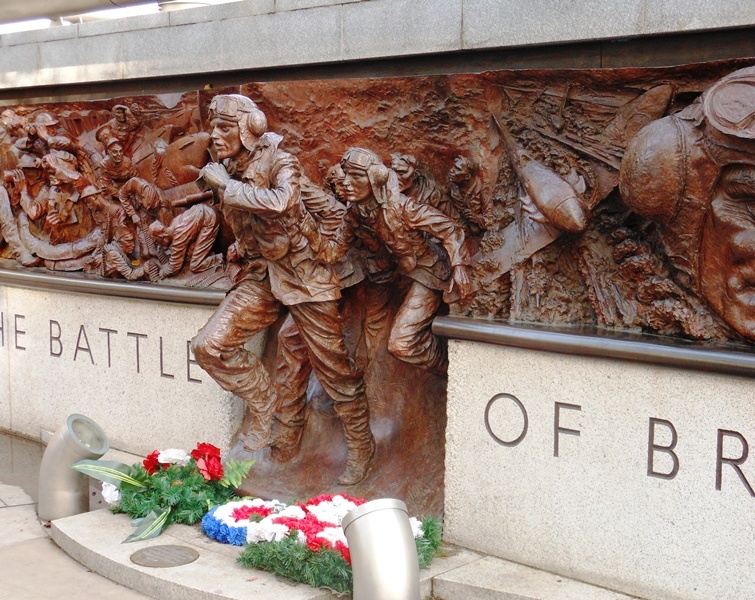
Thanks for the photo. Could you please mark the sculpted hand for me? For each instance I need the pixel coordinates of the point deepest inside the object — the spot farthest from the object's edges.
(53, 219)
(19, 179)
(233, 254)
(460, 280)
(215, 175)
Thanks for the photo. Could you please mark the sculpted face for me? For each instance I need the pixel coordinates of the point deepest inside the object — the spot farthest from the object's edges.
(461, 171)
(334, 179)
(727, 257)
(405, 172)
(356, 184)
(226, 138)
(116, 152)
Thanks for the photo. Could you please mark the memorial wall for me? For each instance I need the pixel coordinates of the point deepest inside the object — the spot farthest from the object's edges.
(307, 232)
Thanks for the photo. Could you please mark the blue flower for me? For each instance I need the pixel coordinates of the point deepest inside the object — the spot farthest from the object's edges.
(221, 532)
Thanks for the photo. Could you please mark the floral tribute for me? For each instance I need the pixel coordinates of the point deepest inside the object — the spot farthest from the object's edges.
(169, 486)
(303, 541)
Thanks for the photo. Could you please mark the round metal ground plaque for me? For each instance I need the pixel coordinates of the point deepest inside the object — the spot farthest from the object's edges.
(164, 556)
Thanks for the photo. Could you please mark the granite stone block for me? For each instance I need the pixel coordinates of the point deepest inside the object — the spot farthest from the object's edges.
(93, 539)
(284, 5)
(36, 568)
(287, 38)
(18, 524)
(14, 496)
(94, 58)
(19, 65)
(39, 36)
(494, 579)
(604, 471)
(123, 363)
(4, 363)
(669, 16)
(495, 23)
(137, 23)
(400, 27)
(163, 52)
(221, 12)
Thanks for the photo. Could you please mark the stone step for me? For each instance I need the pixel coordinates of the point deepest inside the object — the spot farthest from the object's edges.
(94, 539)
(490, 578)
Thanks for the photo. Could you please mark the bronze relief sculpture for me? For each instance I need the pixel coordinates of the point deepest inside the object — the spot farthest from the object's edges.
(277, 243)
(342, 216)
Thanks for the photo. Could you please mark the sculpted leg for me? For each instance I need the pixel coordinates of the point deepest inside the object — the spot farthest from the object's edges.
(219, 349)
(377, 309)
(292, 379)
(411, 338)
(320, 327)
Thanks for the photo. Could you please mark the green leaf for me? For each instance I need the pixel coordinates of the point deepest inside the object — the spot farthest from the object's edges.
(324, 569)
(234, 472)
(112, 472)
(150, 527)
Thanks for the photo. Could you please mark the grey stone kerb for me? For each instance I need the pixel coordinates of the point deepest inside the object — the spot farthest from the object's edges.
(257, 34)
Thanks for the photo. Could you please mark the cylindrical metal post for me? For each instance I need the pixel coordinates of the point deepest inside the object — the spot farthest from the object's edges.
(383, 552)
(64, 492)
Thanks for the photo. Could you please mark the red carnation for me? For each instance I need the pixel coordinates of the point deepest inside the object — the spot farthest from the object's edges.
(151, 464)
(208, 461)
(344, 550)
(244, 512)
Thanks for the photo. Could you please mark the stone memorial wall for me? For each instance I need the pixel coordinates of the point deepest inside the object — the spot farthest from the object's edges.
(327, 222)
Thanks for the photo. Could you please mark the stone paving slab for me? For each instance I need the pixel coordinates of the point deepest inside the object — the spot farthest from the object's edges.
(11, 495)
(36, 569)
(18, 524)
(492, 578)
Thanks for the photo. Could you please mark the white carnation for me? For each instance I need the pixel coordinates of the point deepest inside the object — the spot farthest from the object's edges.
(416, 524)
(294, 512)
(111, 493)
(332, 511)
(265, 531)
(333, 535)
(174, 456)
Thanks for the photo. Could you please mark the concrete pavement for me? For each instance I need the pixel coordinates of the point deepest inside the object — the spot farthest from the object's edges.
(32, 566)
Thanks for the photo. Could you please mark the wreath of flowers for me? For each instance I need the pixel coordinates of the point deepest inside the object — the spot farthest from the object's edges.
(169, 486)
(303, 541)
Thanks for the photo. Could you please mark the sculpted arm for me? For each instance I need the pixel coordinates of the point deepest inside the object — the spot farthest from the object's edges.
(278, 198)
(438, 225)
(36, 206)
(337, 241)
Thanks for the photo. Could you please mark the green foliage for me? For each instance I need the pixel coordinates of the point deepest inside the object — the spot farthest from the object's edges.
(112, 472)
(182, 490)
(326, 568)
(287, 558)
(428, 546)
(234, 472)
(151, 526)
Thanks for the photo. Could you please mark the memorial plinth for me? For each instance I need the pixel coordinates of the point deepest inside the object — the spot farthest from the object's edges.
(125, 363)
(623, 474)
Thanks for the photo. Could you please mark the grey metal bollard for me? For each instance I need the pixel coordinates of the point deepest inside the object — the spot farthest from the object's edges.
(383, 553)
(64, 492)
